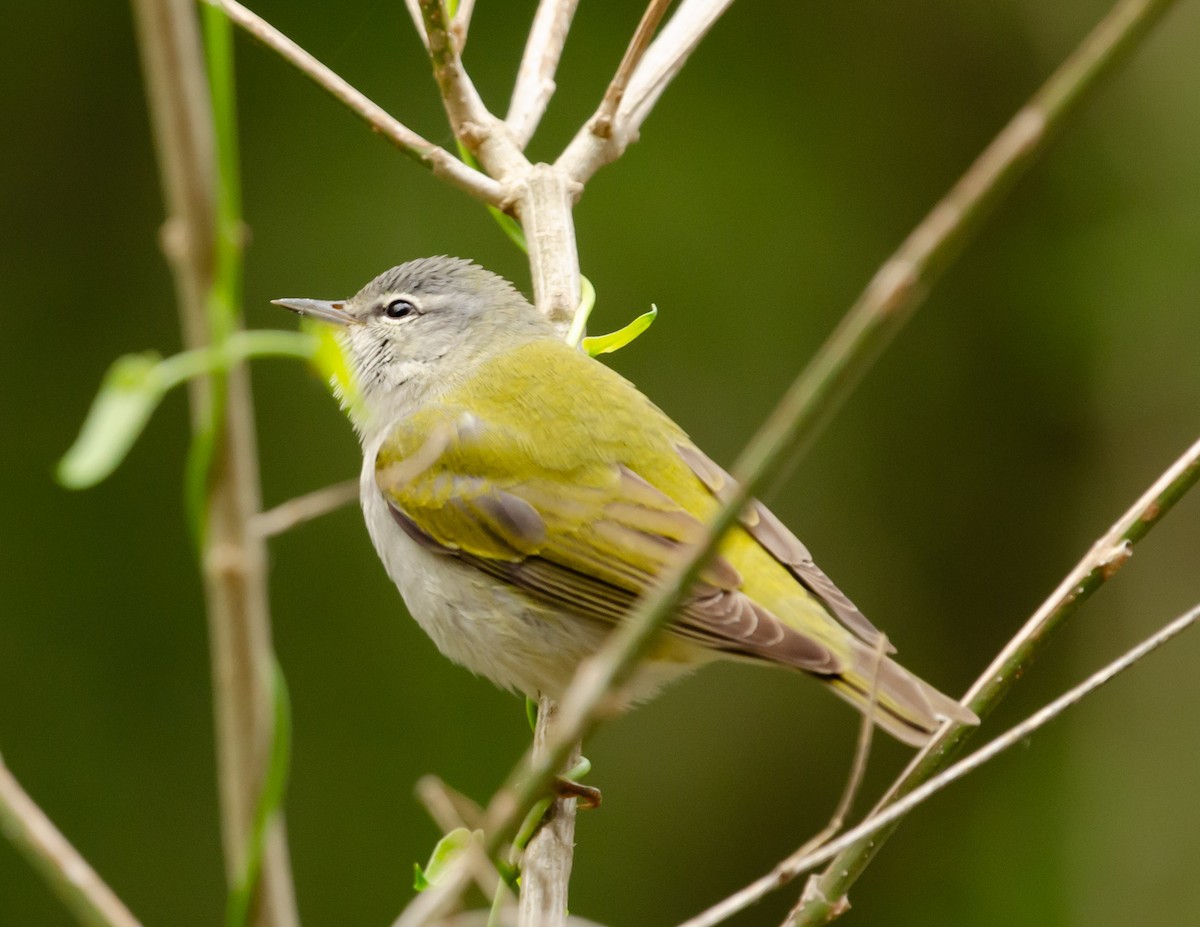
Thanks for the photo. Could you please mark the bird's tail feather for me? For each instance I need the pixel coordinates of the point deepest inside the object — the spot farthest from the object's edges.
(906, 707)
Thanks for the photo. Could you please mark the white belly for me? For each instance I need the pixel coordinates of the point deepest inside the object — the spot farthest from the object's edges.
(475, 619)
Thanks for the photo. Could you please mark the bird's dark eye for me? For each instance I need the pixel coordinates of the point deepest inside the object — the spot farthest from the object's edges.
(398, 309)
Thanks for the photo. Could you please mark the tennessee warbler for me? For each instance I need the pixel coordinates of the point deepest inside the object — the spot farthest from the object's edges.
(522, 496)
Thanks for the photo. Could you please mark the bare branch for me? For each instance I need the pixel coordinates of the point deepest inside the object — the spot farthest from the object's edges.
(535, 78)
(460, 25)
(546, 863)
(448, 808)
(294, 512)
(441, 162)
(507, 918)
(66, 872)
(445, 806)
(666, 56)
(439, 900)
(545, 210)
(862, 751)
(601, 123)
(469, 118)
(234, 560)
(870, 828)
(414, 10)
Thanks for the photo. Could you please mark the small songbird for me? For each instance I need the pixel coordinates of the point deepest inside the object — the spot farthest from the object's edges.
(523, 496)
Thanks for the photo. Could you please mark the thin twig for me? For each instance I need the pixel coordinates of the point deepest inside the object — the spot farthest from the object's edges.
(473, 125)
(871, 827)
(858, 769)
(665, 57)
(448, 808)
(295, 512)
(440, 900)
(535, 77)
(862, 752)
(441, 162)
(414, 11)
(445, 807)
(67, 873)
(601, 124)
(460, 25)
(234, 561)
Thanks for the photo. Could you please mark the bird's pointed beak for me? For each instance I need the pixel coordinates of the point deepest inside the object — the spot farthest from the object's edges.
(332, 312)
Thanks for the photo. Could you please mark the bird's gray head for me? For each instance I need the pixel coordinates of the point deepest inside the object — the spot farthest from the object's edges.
(418, 328)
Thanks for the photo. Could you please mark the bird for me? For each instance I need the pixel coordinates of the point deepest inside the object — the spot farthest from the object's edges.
(523, 496)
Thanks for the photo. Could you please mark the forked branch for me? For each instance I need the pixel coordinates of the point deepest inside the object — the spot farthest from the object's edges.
(535, 77)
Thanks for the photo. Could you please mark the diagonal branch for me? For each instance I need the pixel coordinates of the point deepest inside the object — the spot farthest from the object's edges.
(288, 515)
(882, 820)
(473, 125)
(66, 872)
(460, 24)
(535, 77)
(667, 56)
(414, 11)
(601, 123)
(590, 150)
(443, 164)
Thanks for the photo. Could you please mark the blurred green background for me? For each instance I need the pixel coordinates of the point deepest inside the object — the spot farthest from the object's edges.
(1049, 378)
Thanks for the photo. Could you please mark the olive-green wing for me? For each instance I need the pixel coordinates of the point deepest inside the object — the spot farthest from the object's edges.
(579, 528)
(775, 538)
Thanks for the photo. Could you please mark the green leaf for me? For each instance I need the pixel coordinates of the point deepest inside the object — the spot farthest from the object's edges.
(447, 850)
(129, 394)
(614, 341)
(136, 383)
(531, 712)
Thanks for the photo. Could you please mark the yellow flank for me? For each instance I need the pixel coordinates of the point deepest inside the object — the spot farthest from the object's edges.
(597, 521)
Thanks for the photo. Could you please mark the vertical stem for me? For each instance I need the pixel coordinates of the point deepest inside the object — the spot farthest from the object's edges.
(233, 558)
(545, 213)
(546, 863)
